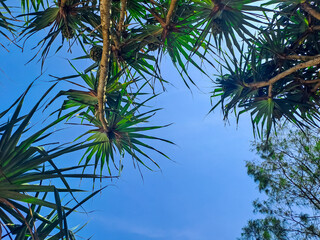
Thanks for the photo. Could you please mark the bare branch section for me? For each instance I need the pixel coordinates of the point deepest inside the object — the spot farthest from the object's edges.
(305, 6)
(171, 11)
(122, 14)
(315, 88)
(310, 63)
(62, 5)
(157, 17)
(315, 28)
(299, 57)
(105, 8)
(310, 81)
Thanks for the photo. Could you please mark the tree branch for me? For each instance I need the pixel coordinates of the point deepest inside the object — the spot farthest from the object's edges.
(170, 11)
(315, 28)
(62, 3)
(306, 6)
(270, 91)
(157, 17)
(310, 63)
(62, 10)
(153, 2)
(105, 11)
(310, 81)
(299, 57)
(122, 14)
(316, 87)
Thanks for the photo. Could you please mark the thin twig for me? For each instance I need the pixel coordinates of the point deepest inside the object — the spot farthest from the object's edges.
(153, 2)
(310, 81)
(315, 88)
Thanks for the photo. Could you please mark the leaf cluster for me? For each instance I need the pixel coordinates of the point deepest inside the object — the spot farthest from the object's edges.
(275, 76)
(30, 206)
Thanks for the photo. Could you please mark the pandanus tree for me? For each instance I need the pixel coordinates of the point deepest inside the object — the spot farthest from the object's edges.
(269, 60)
(126, 40)
(30, 206)
(277, 75)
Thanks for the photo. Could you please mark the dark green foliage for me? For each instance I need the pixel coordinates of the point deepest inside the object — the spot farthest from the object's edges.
(276, 77)
(264, 229)
(26, 172)
(6, 23)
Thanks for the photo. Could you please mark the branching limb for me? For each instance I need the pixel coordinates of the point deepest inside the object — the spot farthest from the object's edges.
(62, 5)
(315, 28)
(122, 14)
(115, 41)
(105, 8)
(310, 81)
(171, 11)
(310, 63)
(157, 17)
(306, 6)
(299, 57)
(316, 87)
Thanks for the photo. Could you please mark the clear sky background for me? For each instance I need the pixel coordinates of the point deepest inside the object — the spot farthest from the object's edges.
(203, 194)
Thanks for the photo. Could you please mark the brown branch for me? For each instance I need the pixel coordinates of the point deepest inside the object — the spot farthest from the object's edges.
(270, 91)
(170, 11)
(310, 81)
(62, 11)
(315, 28)
(316, 87)
(153, 2)
(157, 17)
(62, 3)
(299, 57)
(105, 12)
(122, 14)
(115, 41)
(306, 6)
(310, 63)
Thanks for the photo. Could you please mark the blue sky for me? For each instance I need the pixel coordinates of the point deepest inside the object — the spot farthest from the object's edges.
(204, 193)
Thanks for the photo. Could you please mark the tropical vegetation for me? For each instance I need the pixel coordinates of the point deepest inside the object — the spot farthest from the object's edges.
(267, 53)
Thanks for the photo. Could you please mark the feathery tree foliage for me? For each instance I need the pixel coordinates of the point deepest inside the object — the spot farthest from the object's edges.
(288, 173)
(269, 58)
